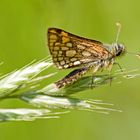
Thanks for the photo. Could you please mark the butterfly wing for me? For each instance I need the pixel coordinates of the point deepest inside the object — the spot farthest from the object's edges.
(69, 50)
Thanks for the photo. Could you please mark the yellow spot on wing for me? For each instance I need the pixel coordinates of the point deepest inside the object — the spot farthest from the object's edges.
(86, 53)
(53, 37)
(69, 44)
(65, 39)
(64, 33)
(70, 53)
(64, 48)
(81, 47)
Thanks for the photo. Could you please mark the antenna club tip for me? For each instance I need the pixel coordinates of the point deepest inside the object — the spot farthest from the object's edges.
(118, 24)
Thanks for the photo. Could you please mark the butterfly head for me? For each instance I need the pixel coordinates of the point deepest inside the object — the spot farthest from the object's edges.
(119, 49)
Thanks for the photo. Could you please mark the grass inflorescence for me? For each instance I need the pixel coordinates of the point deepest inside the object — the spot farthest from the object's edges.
(47, 100)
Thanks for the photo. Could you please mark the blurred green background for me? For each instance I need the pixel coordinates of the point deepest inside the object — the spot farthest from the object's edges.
(23, 27)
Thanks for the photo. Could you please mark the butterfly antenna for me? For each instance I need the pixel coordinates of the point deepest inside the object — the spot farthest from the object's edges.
(118, 31)
(117, 37)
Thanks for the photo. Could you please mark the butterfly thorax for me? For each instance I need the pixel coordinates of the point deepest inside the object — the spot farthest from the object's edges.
(114, 51)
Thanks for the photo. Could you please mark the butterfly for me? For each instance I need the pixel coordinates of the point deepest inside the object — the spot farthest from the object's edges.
(72, 51)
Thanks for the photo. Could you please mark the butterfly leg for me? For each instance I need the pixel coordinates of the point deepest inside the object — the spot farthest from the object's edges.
(95, 69)
(119, 66)
(92, 81)
(110, 65)
(110, 79)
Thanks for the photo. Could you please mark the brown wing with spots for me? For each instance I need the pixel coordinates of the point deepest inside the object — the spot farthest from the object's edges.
(69, 50)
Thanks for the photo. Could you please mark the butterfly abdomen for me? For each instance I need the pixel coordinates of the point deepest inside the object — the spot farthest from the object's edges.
(71, 77)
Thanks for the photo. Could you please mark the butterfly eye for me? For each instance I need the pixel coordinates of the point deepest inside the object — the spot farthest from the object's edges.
(119, 53)
(119, 49)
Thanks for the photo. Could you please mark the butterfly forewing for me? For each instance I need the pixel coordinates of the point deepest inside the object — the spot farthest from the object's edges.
(69, 50)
